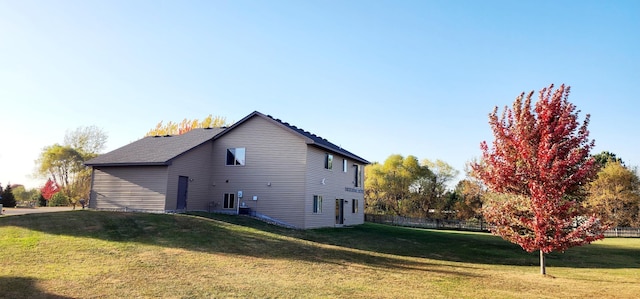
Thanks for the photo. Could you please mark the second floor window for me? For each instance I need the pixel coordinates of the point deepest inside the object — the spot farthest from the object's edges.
(235, 156)
(358, 177)
(328, 161)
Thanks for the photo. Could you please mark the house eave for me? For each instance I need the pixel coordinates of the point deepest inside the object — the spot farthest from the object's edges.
(167, 163)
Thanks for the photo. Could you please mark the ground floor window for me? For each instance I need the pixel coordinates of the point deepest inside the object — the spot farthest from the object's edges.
(229, 201)
(354, 206)
(317, 204)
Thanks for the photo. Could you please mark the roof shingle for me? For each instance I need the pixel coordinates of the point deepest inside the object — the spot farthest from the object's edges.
(160, 150)
(155, 150)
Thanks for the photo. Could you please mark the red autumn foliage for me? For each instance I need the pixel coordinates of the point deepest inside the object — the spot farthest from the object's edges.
(539, 163)
(50, 188)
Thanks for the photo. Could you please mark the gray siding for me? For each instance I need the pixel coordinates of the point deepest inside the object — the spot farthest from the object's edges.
(195, 164)
(137, 188)
(335, 183)
(273, 155)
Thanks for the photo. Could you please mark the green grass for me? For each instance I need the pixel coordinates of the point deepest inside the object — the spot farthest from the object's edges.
(88, 254)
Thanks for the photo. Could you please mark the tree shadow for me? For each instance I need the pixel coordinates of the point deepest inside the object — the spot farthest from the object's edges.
(23, 287)
(455, 246)
(368, 244)
(196, 233)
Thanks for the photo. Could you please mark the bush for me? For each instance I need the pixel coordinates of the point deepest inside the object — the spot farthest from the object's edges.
(59, 200)
(42, 202)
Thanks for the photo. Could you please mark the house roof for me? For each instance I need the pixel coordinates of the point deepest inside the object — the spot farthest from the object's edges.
(160, 150)
(155, 150)
(310, 138)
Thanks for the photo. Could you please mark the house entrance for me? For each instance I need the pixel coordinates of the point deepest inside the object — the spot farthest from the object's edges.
(183, 185)
(339, 211)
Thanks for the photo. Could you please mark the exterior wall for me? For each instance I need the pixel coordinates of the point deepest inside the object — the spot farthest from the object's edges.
(274, 170)
(195, 164)
(336, 184)
(136, 188)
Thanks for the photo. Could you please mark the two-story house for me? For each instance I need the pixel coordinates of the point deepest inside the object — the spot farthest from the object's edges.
(260, 166)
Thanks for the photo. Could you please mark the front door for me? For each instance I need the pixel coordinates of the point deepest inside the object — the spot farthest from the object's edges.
(339, 211)
(183, 185)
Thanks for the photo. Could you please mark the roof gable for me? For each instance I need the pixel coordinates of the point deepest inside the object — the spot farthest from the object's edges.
(155, 150)
(309, 138)
(160, 150)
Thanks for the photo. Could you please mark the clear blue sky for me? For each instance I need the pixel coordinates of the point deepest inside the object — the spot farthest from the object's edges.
(376, 77)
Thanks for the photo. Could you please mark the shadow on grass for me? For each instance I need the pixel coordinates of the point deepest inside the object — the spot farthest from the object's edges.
(196, 233)
(365, 244)
(23, 287)
(467, 247)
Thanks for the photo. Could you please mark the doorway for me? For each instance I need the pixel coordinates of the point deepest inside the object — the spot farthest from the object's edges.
(183, 185)
(339, 211)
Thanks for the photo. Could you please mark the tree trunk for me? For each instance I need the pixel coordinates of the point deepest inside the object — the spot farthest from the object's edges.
(543, 269)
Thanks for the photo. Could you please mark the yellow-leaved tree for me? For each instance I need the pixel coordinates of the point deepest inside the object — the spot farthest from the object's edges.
(615, 195)
(173, 128)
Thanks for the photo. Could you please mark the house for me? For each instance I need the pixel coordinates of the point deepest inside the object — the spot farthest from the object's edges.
(260, 166)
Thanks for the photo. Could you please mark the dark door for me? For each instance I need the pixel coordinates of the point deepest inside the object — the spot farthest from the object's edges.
(339, 211)
(183, 185)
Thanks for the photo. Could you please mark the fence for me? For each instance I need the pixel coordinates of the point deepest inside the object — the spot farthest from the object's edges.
(623, 232)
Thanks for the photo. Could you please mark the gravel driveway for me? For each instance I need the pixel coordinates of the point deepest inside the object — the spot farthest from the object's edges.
(22, 211)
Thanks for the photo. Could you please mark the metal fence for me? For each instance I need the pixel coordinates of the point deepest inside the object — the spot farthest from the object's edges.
(621, 232)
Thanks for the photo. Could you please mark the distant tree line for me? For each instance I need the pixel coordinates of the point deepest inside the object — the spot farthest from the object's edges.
(404, 186)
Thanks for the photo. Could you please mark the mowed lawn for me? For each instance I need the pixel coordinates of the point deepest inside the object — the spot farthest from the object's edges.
(91, 254)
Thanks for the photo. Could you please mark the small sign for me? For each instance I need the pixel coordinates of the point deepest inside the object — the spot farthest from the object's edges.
(255, 197)
(239, 194)
(353, 190)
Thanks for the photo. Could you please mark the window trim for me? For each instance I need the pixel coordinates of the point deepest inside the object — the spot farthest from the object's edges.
(232, 152)
(328, 161)
(358, 175)
(225, 201)
(354, 206)
(317, 204)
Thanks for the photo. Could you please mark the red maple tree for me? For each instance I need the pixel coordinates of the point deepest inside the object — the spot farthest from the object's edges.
(49, 189)
(537, 167)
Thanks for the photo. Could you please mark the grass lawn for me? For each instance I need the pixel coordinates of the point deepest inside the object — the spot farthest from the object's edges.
(90, 254)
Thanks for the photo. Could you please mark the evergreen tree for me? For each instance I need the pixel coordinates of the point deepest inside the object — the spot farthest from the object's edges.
(8, 200)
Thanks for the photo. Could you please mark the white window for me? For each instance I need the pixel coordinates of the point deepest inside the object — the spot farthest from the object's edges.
(354, 207)
(344, 165)
(229, 201)
(358, 178)
(328, 161)
(317, 204)
(235, 156)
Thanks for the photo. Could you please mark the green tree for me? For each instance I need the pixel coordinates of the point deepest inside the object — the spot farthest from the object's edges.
(471, 193)
(615, 195)
(23, 195)
(388, 186)
(432, 191)
(39, 199)
(62, 164)
(8, 200)
(605, 157)
(59, 200)
(65, 163)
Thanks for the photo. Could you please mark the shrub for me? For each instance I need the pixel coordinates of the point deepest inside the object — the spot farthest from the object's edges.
(42, 202)
(59, 200)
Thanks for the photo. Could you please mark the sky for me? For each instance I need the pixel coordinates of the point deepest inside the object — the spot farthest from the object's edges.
(375, 77)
